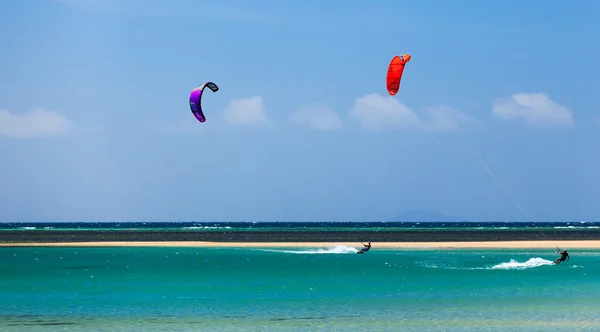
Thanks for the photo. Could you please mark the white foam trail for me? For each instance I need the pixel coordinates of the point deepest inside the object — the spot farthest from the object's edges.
(531, 263)
(334, 250)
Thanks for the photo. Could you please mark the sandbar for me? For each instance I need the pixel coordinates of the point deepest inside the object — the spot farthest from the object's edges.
(588, 244)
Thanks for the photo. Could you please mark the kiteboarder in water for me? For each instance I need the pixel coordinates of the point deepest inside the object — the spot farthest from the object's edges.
(365, 249)
(563, 256)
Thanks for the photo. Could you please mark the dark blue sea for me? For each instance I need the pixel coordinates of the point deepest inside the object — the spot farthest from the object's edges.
(300, 226)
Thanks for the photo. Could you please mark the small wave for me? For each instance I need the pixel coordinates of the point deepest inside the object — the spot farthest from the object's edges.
(448, 267)
(207, 227)
(531, 263)
(334, 250)
(27, 227)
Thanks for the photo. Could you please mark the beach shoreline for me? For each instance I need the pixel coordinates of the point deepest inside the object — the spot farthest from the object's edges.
(376, 245)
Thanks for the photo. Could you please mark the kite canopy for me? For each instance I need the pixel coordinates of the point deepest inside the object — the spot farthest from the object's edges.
(196, 98)
(394, 74)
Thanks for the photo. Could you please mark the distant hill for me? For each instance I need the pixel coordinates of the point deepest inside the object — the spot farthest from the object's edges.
(425, 215)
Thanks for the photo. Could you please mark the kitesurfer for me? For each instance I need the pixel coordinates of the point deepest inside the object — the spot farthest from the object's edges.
(365, 249)
(563, 256)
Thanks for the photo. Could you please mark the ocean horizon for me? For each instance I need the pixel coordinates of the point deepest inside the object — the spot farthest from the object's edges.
(295, 224)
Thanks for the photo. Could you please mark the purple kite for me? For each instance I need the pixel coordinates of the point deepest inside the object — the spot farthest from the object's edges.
(196, 97)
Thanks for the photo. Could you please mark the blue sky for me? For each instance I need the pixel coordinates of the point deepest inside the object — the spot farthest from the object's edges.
(95, 123)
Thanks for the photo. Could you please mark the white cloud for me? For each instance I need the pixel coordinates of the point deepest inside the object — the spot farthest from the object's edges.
(378, 112)
(246, 112)
(445, 118)
(318, 116)
(35, 123)
(536, 109)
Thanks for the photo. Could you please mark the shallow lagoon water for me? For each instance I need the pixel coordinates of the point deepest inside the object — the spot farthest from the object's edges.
(333, 288)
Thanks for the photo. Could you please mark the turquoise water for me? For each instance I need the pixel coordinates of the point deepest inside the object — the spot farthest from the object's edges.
(296, 289)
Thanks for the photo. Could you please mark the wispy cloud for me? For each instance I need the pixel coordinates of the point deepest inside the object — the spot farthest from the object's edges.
(318, 116)
(246, 112)
(535, 109)
(446, 118)
(35, 123)
(377, 112)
